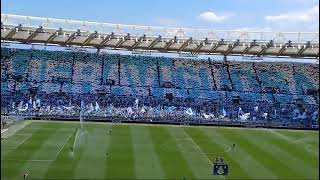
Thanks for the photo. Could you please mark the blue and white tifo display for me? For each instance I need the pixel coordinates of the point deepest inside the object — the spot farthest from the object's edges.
(45, 83)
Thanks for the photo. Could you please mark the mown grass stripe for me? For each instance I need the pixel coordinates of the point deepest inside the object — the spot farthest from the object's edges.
(259, 150)
(172, 161)
(295, 156)
(27, 151)
(147, 163)
(289, 167)
(197, 160)
(210, 146)
(62, 167)
(98, 140)
(120, 162)
(296, 149)
(251, 165)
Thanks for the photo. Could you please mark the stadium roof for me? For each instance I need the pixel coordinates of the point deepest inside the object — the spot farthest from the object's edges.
(26, 29)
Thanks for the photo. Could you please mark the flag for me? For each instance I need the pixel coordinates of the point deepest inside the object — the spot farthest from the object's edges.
(34, 106)
(143, 110)
(38, 103)
(110, 108)
(206, 116)
(240, 113)
(224, 113)
(171, 109)
(20, 105)
(129, 110)
(189, 112)
(91, 107)
(265, 115)
(157, 110)
(97, 108)
(136, 103)
(27, 107)
(82, 107)
(245, 116)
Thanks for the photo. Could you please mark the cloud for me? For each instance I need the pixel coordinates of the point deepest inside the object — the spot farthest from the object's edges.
(211, 17)
(309, 15)
(304, 20)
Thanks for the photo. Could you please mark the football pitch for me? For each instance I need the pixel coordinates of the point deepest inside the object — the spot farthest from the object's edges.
(60, 150)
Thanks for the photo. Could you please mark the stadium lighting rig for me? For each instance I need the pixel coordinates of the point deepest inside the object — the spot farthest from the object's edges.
(31, 30)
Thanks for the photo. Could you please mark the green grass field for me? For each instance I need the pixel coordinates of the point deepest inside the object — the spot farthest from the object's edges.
(42, 149)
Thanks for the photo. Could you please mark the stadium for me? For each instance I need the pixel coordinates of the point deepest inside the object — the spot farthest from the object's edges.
(87, 99)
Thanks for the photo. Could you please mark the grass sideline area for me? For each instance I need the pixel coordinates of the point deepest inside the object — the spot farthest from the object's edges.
(44, 151)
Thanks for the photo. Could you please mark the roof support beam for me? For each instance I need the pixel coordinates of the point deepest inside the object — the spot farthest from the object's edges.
(154, 42)
(252, 44)
(232, 46)
(213, 49)
(12, 32)
(91, 36)
(171, 41)
(54, 35)
(71, 38)
(201, 45)
(282, 50)
(185, 44)
(138, 42)
(289, 43)
(265, 48)
(106, 39)
(301, 51)
(123, 40)
(34, 34)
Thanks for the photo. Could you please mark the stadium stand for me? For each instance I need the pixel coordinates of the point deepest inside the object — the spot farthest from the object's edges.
(224, 89)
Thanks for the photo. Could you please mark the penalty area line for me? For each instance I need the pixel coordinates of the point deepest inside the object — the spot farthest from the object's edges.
(3, 130)
(204, 155)
(23, 141)
(63, 146)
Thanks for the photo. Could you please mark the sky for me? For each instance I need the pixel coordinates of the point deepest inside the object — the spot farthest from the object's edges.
(270, 15)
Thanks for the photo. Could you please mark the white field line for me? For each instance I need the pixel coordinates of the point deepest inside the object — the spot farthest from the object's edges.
(228, 149)
(3, 130)
(31, 160)
(297, 141)
(164, 125)
(204, 155)
(281, 135)
(23, 141)
(63, 146)
(183, 139)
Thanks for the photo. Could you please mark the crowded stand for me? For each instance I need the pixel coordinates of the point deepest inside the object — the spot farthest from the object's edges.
(158, 89)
